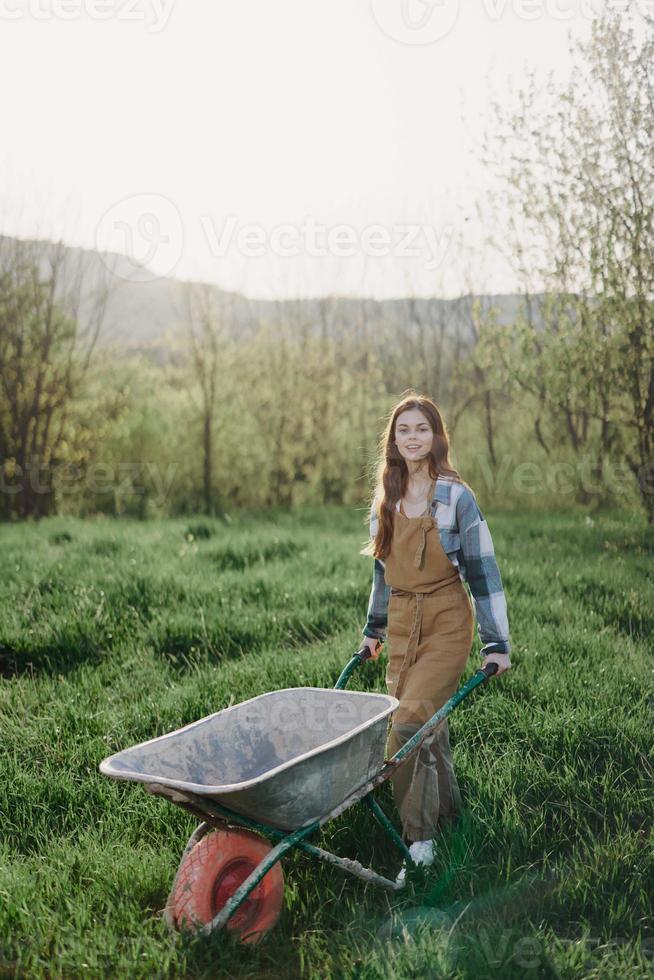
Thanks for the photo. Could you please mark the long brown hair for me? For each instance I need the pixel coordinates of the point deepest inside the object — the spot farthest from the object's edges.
(393, 473)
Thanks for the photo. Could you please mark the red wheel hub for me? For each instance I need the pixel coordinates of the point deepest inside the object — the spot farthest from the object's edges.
(227, 881)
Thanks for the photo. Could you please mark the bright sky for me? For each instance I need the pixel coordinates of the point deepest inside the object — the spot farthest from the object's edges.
(226, 141)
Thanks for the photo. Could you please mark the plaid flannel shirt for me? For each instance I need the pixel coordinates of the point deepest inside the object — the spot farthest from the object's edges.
(467, 543)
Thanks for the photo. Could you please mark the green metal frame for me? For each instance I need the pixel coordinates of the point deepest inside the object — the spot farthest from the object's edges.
(215, 815)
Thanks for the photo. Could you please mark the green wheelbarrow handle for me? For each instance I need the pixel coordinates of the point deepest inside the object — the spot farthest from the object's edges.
(363, 653)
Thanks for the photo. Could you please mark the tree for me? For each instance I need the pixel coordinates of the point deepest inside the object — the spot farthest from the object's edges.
(45, 353)
(207, 314)
(577, 164)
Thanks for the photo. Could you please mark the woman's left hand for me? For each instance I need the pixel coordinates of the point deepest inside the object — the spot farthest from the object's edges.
(502, 660)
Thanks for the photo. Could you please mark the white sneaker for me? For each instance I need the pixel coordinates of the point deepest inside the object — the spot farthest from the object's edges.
(423, 852)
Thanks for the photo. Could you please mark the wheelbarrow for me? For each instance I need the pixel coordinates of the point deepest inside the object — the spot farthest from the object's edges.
(279, 765)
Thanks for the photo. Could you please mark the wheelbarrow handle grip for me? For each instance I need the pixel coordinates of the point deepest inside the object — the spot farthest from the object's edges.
(365, 653)
(488, 670)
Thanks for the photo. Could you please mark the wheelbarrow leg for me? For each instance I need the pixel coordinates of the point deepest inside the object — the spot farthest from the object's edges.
(381, 817)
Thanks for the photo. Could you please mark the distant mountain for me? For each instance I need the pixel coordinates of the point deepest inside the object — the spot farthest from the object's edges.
(142, 308)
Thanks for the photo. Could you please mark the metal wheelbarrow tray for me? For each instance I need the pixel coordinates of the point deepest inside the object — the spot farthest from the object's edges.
(278, 766)
(284, 758)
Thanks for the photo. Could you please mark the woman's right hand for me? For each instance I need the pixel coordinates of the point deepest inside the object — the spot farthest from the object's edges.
(373, 645)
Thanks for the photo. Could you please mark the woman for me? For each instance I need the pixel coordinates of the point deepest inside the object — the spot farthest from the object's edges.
(428, 537)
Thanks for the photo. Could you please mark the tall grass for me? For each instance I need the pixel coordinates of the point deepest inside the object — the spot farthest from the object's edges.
(112, 632)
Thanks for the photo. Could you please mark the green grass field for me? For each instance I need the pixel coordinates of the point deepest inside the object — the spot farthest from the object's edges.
(112, 632)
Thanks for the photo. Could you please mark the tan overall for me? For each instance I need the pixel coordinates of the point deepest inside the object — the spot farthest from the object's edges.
(430, 633)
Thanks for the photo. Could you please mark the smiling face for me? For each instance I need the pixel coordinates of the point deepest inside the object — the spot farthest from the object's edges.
(413, 435)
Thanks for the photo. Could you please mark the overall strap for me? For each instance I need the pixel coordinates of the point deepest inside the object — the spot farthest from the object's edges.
(425, 524)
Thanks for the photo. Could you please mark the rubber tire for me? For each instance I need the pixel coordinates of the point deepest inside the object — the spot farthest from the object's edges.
(210, 874)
